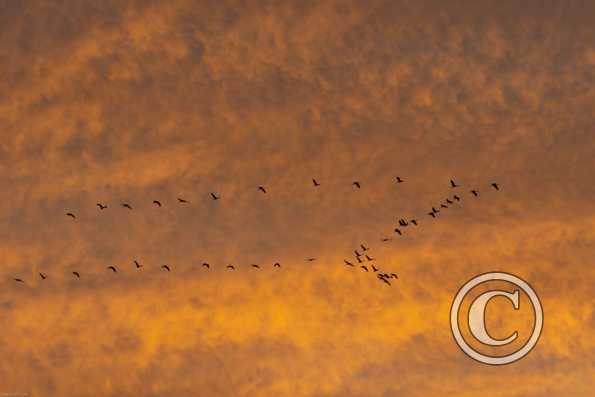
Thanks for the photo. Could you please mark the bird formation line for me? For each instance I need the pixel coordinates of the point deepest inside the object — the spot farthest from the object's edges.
(361, 255)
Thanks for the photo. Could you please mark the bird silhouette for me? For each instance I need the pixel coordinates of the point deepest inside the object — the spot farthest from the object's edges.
(374, 268)
(359, 260)
(101, 206)
(456, 197)
(449, 201)
(443, 206)
(43, 276)
(231, 267)
(276, 264)
(126, 205)
(347, 262)
(414, 222)
(435, 211)
(368, 258)
(70, 214)
(453, 184)
(311, 259)
(402, 222)
(112, 268)
(215, 197)
(398, 231)
(475, 193)
(157, 202)
(496, 186)
(357, 253)
(76, 274)
(364, 267)
(432, 214)
(385, 280)
(262, 189)
(18, 280)
(256, 266)
(399, 180)
(363, 247)
(356, 184)
(315, 182)
(138, 265)
(385, 239)
(166, 268)
(206, 265)
(393, 275)
(181, 200)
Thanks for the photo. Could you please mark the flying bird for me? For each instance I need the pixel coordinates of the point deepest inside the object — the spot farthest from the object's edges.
(70, 214)
(43, 276)
(385, 280)
(453, 184)
(231, 267)
(368, 258)
(398, 231)
(76, 274)
(399, 180)
(112, 268)
(18, 280)
(347, 262)
(393, 275)
(157, 202)
(101, 206)
(215, 197)
(475, 193)
(434, 210)
(357, 253)
(311, 259)
(456, 197)
(315, 182)
(166, 268)
(433, 215)
(181, 200)
(364, 248)
(449, 201)
(206, 265)
(256, 266)
(443, 206)
(126, 205)
(496, 186)
(356, 184)
(402, 222)
(138, 265)
(262, 189)
(374, 268)
(276, 264)
(413, 221)
(364, 267)
(385, 239)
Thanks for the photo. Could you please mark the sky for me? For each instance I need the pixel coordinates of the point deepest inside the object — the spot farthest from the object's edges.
(129, 102)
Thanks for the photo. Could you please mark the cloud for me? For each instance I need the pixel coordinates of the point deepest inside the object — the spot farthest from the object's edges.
(117, 103)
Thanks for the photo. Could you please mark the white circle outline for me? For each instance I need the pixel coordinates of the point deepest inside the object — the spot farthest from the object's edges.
(537, 310)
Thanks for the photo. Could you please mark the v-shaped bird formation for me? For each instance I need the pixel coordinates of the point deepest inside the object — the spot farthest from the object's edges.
(362, 257)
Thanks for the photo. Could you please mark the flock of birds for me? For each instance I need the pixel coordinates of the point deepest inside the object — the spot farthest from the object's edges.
(364, 260)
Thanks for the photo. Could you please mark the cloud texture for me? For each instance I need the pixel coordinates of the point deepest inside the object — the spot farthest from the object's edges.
(134, 101)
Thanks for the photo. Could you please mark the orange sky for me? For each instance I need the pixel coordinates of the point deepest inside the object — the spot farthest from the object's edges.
(134, 101)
